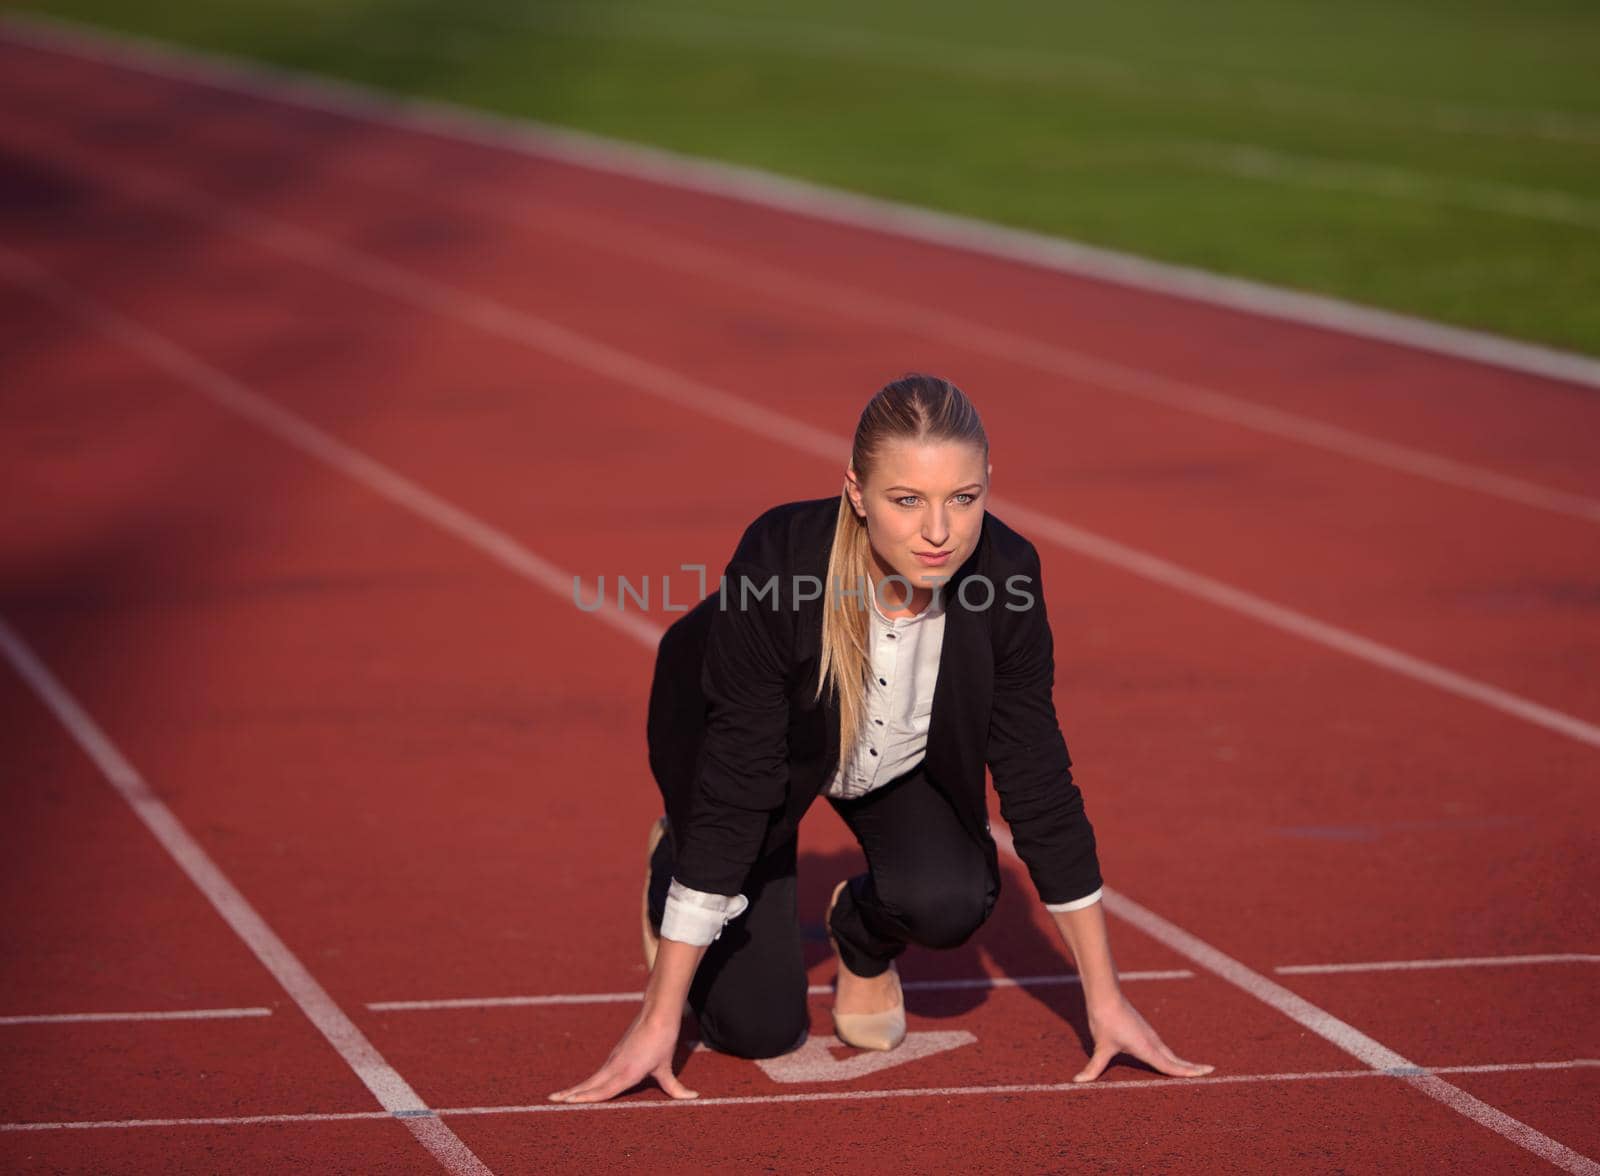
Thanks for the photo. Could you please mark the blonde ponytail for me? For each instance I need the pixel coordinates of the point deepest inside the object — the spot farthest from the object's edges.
(845, 659)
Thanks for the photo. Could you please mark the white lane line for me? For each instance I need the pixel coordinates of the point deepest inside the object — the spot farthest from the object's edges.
(588, 998)
(1347, 1037)
(1105, 1086)
(313, 441)
(1022, 981)
(1292, 621)
(1419, 965)
(555, 999)
(1085, 370)
(551, 339)
(392, 1091)
(198, 1121)
(781, 193)
(1102, 1086)
(1331, 1029)
(169, 1015)
(194, 373)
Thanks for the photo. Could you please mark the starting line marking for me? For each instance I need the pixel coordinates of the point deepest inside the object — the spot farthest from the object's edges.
(815, 1061)
(1418, 965)
(583, 998)
(1102, 1085)
(173, 1015)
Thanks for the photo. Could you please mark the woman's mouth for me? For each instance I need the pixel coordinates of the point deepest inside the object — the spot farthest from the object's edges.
(934, 559)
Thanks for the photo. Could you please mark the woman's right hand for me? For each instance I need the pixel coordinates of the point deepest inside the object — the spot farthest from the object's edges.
(645, 1051)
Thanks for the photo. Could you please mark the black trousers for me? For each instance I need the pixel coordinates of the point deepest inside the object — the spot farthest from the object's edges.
(927, 883)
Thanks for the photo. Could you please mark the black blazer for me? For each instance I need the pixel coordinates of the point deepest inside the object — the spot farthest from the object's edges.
(740, 747)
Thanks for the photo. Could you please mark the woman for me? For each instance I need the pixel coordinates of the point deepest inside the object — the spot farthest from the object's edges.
(882, 648)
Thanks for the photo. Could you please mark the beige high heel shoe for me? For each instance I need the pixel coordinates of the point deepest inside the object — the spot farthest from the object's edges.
(883, 1030)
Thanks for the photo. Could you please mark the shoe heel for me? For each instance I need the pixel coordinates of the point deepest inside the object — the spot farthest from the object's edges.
(880, 1031)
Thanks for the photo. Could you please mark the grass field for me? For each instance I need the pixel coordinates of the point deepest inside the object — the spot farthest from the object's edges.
(1433, 157)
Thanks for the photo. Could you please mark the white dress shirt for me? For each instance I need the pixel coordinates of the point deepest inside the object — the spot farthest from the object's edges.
(899, 700)
(893, 739)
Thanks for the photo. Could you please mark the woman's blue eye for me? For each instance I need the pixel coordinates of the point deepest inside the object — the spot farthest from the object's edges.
(909, 500)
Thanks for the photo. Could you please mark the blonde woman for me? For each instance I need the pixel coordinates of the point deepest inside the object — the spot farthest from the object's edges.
(881, 648)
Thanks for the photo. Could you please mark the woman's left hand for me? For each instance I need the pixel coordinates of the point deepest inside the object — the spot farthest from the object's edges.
(1118, 1028)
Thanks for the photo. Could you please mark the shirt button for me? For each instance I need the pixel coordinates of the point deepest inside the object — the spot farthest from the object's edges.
(883, 681)
(878, 721)
(890, 636)
(872, 751)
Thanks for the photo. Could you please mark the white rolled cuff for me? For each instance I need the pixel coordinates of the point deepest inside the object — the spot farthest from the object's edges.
(697, 918)
(1076, 904)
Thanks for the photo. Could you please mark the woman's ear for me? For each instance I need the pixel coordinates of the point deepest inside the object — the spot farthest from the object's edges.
(852, 486)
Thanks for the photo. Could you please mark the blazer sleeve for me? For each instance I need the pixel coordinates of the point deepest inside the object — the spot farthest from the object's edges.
(1028, 758)
(742, 775)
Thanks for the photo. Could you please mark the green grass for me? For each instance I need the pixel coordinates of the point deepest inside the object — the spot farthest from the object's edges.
(1439, 157)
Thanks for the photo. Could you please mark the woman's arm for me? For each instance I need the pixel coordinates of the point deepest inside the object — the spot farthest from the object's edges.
(1115, 1024)
(1027, 754)
(646, 1049)
(1051, 832)
(742, 762)
(741, 779)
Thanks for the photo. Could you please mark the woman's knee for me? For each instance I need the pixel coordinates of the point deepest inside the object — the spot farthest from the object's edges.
(944, 910)
(755, 1033)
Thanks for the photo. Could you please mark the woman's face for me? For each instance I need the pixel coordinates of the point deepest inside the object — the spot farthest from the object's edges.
(923, 503)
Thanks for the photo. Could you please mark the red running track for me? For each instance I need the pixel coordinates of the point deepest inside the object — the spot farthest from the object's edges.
(309, 420)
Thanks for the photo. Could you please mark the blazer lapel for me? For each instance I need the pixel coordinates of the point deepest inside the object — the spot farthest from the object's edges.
(957, 737)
